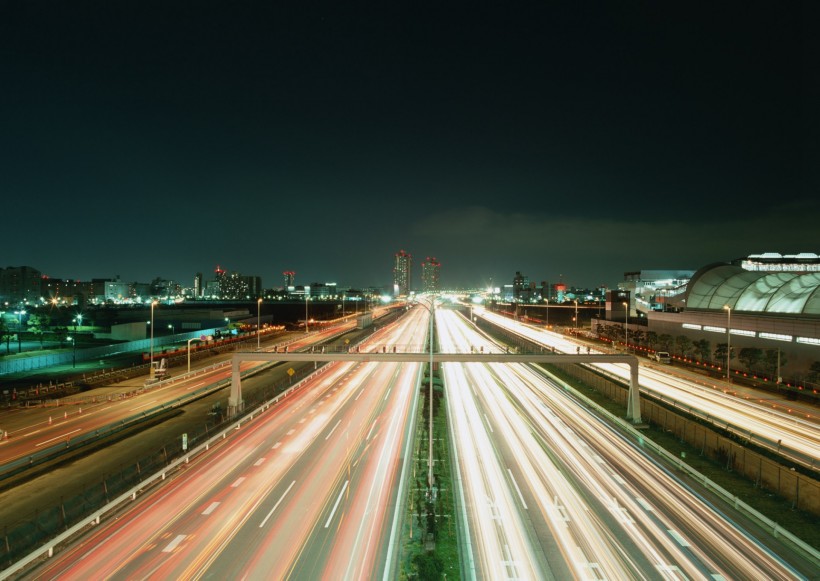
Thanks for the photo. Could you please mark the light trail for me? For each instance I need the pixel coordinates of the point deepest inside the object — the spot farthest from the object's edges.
(307, 489)
(777, 430)
(611, 510)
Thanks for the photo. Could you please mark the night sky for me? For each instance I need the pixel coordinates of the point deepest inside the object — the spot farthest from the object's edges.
(583, 140)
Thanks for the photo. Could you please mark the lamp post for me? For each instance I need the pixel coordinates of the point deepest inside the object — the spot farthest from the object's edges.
(173, 330)
(576, 315)
(728, 342)
(189, 351)
(74, 351)
(626, 327)
(258, 321)
(307, 296)
(430, 451)
(151, 357)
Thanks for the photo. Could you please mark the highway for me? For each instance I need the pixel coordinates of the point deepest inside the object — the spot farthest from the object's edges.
(550, 491)
(308, 489)
(33, 430)
(795, 437)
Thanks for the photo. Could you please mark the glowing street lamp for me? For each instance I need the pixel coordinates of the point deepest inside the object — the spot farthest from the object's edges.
(151, 357)
(74, 351)
(258, 321)
(728, 342)
(626, 326)
(307, 296)
(576, 314)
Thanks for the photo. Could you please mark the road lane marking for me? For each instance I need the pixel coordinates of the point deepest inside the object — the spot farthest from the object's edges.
(360, 393)
(238, 481)
(676, 535)
(211, 508)
(646, 506)
(195, 385)
(486, 419)
(278, 502)
(290, 431)
(518, 490)
(371, 429)
(173, 544)
(388, 393)
(259, 462)
(335, 506)
(333, 429)
(143, 405)
(303, 420)
(58, 437)
(276, 445)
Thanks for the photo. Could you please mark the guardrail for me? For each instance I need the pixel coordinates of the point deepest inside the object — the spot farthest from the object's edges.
(95, 517)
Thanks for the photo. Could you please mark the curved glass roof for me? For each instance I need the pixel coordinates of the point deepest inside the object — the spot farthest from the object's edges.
(716, 286)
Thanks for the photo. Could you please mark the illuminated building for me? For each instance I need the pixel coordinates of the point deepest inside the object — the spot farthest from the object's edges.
(430, 270)
(401, 273)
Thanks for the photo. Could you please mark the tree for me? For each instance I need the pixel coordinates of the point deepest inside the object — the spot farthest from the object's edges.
(750, 357)
(637, 337)
(814, 372)
(703, 349)
(5, 333)
(651, 339)
(720, 353)
(684, 344)
(773, 362)
(665, 341)
(38, 324)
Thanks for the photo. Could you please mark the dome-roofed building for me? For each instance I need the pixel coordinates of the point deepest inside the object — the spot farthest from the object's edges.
(720, 285)
(765, 301)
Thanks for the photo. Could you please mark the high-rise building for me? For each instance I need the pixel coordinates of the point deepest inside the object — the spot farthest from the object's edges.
(430, 269)
(290, 278)
(19, 284)
(401, 273)
(198, 285)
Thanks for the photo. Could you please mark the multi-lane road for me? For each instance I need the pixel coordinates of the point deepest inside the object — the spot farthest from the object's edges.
(552, 491)
(315, 487)
(787, 432)
(307, 490)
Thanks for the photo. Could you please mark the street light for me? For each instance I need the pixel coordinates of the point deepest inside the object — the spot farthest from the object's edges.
(258, 321)
(626, 326)
(173, 330)
(432, 311)
(189, 351)
(576, 315)
(74, 352)
(307, 295)
(728, 341)
(151, 357)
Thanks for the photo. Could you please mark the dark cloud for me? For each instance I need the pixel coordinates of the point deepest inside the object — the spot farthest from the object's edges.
(154, 139)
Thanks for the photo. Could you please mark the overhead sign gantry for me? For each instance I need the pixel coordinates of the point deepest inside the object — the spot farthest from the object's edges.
(633, 410)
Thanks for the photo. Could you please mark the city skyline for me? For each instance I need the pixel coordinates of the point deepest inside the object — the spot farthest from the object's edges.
(557, 141)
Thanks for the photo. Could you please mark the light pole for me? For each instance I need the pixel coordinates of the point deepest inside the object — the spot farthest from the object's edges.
(728, 342)
(74, 351)
(189, 351)
(430, 451)
(173, 330)
(576, 315)
(151, 357)
(258, 321)
(307, 296)
(626, 327)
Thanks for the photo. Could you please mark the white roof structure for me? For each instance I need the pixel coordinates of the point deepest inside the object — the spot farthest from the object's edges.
(785, 292)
